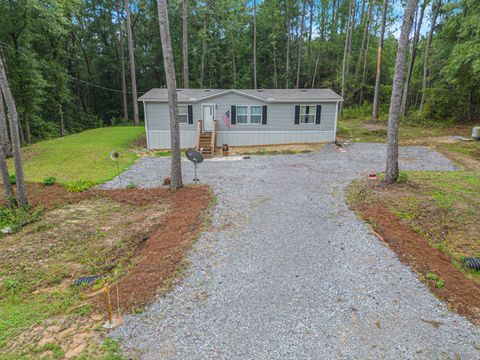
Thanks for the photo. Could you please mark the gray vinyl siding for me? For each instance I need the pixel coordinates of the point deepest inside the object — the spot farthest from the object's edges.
(279, 116)
(280, 123)
(158, 117)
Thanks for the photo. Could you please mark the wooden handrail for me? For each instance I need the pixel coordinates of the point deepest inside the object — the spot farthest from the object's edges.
(199, 133)
(214, 136)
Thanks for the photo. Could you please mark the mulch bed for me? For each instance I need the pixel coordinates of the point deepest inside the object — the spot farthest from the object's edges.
(163, 253)
(460, 293)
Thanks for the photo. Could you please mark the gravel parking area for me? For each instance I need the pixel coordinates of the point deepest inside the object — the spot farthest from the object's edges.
(287, 271)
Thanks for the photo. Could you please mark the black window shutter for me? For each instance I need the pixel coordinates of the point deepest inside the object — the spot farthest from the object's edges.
(234, 114)
(297, 114)
(264, 115)
(318, 114)
(190, 114)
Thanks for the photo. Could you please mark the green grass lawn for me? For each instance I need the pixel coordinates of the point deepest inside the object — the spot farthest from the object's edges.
(81, 157)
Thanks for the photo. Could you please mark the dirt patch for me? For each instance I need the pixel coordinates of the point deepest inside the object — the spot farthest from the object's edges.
(374, 125)
(458, 291)
(468, 162)
(163, 252)
(136, 236)
(273, 149)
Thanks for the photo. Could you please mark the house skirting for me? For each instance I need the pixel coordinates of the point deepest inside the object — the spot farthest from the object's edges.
(160, 139)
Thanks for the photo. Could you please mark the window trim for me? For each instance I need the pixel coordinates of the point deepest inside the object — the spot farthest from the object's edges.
(186, 114)
(300, 114)
(249, 114)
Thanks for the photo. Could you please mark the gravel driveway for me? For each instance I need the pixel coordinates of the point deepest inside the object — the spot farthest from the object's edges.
(287, 271)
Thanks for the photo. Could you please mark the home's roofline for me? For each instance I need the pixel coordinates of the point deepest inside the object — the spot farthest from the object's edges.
(241, 93)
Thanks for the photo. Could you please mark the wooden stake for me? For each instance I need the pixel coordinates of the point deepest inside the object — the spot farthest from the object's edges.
(107, 300)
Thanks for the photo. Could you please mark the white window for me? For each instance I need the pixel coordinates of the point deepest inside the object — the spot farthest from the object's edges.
(183, 114)
(255, 114)
(249, 114)
(242, 114)
(307, 114)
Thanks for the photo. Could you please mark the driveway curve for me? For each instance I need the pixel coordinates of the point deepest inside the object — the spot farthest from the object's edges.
(287, 271)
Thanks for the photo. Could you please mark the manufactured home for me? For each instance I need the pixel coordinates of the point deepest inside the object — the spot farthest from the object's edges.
(213, 117)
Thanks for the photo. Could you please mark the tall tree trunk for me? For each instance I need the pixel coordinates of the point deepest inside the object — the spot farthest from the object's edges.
(425, 58)
(394, 111)
(323, 22)
(254, 44)
(345, 55)
(275, 79)
(62, 121)
(122, 66)
(287, 61)
(365, 59)
(403, 106)
(316, 67)
(13, 119)
(176, 169)
(185, 42)
(204, 49)
(4, 147)
(234, 64)
(26, 117)
(352, 26)
(364, 38)
(299, 55)
(131, 57)
(4, 138)
(309, 48)
(334, 24)
(376, 97)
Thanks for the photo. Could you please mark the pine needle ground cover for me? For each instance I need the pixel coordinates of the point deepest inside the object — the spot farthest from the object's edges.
(82, 157)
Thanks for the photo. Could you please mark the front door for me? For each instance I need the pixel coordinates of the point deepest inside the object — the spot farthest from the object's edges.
(208, 114)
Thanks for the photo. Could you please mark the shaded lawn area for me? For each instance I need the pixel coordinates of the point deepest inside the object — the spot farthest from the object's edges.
(81, 157)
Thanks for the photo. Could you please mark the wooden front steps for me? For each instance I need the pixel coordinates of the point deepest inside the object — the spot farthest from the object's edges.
(206, 144)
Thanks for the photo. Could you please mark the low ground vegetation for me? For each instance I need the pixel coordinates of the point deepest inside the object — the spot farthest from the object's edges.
(113, 234)
(429, 218)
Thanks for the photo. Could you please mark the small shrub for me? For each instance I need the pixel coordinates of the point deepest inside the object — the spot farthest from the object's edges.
(78, 186)
(439, 282)
(163, 153)
(13, 179)
(431, 276)
(402, 177)
(49, 180)
(131, 185)
(12, 220)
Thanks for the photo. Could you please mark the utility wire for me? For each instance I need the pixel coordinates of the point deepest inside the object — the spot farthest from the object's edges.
(73, 78)
(102, 87)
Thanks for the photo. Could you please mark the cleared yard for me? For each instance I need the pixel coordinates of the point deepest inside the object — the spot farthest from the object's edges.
(286, 268)
(431, 218)
(114, 234)
(431, 221)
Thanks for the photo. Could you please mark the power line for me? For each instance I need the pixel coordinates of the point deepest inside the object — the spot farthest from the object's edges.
(102, 87)
(76, 79)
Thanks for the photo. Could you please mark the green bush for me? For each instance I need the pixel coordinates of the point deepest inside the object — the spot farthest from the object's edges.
(49, 180)
(402, 177)
(13, 179)
(131, 185)
(78, 186)
(12, 220)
